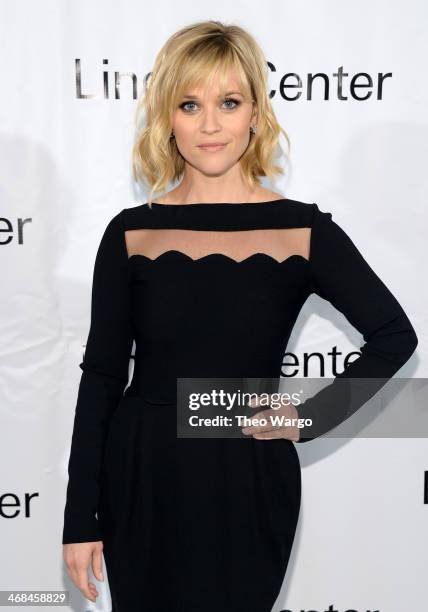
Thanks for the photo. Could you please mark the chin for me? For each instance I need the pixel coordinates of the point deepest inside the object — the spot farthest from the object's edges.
(216, 168)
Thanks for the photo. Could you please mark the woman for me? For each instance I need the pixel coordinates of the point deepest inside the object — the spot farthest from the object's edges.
(209, 281)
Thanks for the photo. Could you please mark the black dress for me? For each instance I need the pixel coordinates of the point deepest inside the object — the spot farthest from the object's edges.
(205, 290)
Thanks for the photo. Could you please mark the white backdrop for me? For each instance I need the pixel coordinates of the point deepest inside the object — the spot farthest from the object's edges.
(65, 171)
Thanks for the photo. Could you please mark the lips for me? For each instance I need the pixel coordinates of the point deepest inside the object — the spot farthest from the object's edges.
(212, 146)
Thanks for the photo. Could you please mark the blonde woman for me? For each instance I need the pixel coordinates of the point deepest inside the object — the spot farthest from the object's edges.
(208, 280)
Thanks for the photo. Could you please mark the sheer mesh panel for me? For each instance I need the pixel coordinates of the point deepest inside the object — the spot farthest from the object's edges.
(237, 245)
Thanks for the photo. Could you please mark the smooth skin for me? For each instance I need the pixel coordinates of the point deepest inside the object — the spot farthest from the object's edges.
(77, 559)
(214, 176)
(209, 176)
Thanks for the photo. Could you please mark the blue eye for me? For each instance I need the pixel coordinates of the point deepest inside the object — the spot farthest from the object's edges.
(236, 103)
(184, 104)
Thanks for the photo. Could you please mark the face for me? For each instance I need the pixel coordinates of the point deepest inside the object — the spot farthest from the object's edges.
(202, 117)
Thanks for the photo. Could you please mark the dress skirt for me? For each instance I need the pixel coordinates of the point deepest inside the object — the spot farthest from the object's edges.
(194, 524)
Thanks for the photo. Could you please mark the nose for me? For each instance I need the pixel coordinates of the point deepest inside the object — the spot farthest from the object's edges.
(210, 122)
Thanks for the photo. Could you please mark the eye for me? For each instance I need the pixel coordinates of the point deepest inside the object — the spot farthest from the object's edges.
(184, 105)
(235, 102)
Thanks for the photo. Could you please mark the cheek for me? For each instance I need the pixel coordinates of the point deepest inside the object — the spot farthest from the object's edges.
(185, 132)
(240, 128)
(180, 124)
(241, 138)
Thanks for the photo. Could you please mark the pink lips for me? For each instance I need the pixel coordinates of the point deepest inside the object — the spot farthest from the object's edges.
(216, 146)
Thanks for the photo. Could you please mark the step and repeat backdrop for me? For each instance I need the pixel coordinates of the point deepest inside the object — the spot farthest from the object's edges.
(348, 85)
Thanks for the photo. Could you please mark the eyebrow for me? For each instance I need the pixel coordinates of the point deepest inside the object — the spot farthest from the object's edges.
(228, 93)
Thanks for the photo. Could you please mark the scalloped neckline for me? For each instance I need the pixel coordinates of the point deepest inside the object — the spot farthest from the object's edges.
(175, 253)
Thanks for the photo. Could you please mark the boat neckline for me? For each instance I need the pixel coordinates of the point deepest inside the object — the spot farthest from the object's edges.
(201, 204)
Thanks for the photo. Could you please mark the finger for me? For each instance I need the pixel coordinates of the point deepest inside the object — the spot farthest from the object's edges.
(269, 435)
(267, 415)
(287, 433)
(266, 436)
(83, 584)
(93, 590)
(97, 564)
(256, 401)
(270, 415)
(72, 572)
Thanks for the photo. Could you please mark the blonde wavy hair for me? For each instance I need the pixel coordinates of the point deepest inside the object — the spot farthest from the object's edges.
(189, 57)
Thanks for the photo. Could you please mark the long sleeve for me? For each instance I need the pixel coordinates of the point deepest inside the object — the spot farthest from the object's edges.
(104, 377)
(341, 275)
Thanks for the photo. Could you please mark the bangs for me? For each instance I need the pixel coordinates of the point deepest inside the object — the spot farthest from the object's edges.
(203, 64)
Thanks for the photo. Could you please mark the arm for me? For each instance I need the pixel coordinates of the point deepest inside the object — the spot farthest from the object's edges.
(341, 275)
(105, 375)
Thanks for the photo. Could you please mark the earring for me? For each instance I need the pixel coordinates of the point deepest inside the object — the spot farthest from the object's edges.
(172, 136)
(253, 129)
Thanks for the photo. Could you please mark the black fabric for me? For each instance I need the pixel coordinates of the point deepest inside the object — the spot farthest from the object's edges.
(341, 275)
(206, 524)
